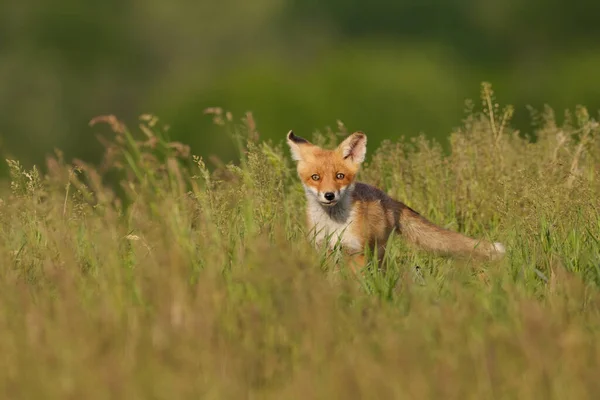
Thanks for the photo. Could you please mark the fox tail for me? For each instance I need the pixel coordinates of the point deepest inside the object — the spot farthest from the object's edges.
(428, 236)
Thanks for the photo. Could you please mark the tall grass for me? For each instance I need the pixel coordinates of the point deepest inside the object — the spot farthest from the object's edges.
(185, 282)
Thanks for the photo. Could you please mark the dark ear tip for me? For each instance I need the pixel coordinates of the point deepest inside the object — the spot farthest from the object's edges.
(296, 139)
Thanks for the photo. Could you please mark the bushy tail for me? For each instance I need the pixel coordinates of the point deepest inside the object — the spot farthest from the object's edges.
(428, 236)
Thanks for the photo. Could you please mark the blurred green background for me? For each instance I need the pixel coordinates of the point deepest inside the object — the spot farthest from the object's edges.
(389, 68)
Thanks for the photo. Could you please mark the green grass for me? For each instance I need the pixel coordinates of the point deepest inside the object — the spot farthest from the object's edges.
(180, 282)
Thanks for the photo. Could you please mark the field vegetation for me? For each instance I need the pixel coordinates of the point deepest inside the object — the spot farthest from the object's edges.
(159, 274)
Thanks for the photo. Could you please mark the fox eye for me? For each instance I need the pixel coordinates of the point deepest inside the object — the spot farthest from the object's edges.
(340, 175)
(315, 177)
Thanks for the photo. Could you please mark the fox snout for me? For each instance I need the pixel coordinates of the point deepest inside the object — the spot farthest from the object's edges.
(327, 198)
(330, 198)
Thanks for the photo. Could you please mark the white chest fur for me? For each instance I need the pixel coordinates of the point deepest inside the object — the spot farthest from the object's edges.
(333, 225)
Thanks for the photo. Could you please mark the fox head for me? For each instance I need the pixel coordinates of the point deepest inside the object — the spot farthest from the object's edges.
(328, 174)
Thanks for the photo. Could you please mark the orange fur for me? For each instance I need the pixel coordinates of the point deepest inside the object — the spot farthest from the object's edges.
(359, 215)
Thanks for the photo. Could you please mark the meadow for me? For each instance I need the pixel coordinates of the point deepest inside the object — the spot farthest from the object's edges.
(153, 276)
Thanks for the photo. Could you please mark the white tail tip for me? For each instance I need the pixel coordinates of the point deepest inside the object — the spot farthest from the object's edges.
(500, 250)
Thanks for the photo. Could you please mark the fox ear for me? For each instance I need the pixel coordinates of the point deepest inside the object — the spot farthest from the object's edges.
(354, 147)
(297, 144)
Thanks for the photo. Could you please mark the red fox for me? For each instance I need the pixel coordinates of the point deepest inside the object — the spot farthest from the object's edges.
(356, 215)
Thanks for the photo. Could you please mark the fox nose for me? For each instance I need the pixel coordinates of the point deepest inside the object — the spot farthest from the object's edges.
(329, 196)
